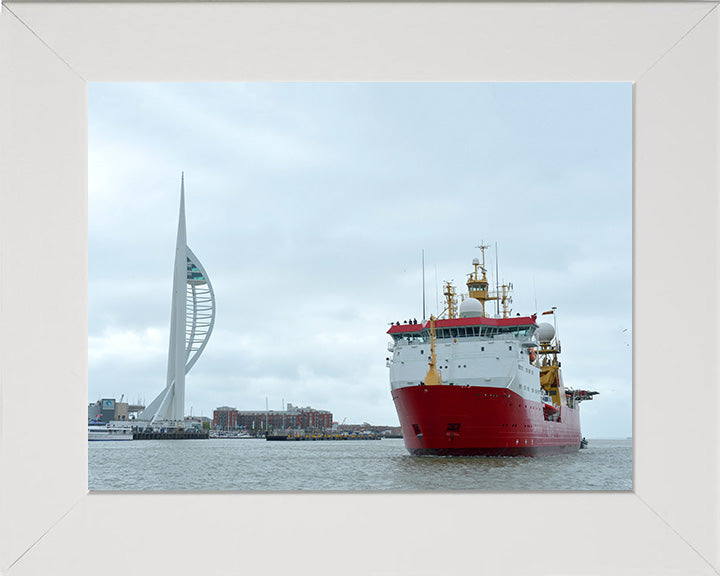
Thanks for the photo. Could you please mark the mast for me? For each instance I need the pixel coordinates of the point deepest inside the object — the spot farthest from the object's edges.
(450, 299)
(506, 299)
(478, 286)
(423, 281)
(497, 282)
(437, 295)
(550, 379)
(433, 376)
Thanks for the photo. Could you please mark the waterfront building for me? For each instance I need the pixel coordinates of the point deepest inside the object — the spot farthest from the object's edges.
(305, 418)
(198, 422)
(107, 410)
(191, 322)
(225, 418)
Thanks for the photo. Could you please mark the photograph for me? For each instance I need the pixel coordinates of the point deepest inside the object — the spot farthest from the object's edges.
(333, 276)
(360, 286)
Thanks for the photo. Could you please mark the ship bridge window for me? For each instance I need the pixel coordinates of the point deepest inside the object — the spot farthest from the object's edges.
(468, 331)
(459, 332)
(516, 331)
(414, 337)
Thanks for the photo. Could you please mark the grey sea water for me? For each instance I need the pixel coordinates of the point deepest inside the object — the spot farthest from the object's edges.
(227, 464)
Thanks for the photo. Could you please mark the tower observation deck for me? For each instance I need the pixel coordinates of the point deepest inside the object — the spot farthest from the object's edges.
(191, 322)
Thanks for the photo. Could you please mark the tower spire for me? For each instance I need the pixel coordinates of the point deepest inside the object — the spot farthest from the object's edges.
(177, 355)
(192, 316)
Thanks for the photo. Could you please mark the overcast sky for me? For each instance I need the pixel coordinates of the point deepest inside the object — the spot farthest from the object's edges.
(309, 206)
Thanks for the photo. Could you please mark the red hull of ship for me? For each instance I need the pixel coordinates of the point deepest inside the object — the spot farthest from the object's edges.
(450, 420)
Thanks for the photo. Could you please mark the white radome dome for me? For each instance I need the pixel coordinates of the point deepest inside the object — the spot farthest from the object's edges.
(471, 308)
(545, 332)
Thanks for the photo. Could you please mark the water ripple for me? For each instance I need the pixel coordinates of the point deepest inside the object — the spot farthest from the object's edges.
(220, 464)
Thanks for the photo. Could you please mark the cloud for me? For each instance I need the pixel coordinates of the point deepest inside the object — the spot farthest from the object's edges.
(309, 205)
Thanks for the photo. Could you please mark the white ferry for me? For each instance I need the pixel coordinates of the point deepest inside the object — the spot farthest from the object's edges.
(113, 431)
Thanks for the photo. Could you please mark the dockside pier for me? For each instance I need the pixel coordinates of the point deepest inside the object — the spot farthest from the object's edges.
(172, 434)
(290, 437)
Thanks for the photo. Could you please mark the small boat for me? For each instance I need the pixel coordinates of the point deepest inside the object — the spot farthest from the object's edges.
(108, 432)
(550, 412)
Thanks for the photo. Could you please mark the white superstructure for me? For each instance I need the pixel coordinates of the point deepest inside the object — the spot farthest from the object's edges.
(470, 355)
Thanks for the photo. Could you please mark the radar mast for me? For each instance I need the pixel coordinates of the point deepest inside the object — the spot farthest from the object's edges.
(478, 286)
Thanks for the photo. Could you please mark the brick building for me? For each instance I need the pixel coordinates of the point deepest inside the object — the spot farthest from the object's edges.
(305, 418)
(225, 418)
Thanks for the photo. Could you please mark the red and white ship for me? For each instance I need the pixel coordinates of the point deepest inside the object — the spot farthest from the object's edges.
(473, 385)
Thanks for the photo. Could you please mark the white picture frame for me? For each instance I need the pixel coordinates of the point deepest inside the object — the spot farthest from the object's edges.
(50, 524)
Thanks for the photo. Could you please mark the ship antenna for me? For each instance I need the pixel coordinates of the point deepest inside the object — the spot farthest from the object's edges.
(437, 292)
(423, 281)
(497, 284)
